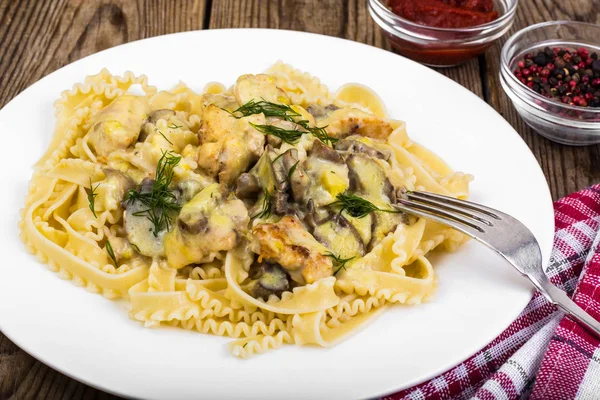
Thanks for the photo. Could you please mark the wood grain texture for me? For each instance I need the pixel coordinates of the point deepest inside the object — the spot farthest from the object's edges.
(38, 37)
(346, 19)
(566, 168)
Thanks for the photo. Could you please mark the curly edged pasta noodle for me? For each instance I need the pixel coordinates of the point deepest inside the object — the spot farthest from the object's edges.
(264, 212)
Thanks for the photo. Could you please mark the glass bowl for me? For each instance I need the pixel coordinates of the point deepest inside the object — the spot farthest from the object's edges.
(441, 47)
(562, 123)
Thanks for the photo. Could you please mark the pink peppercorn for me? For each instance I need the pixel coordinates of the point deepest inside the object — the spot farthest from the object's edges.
(571, 76)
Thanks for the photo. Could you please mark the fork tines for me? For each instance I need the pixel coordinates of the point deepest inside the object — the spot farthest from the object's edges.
(463, 215)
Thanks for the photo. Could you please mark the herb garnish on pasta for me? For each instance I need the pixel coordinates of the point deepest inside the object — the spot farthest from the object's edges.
(264, 212)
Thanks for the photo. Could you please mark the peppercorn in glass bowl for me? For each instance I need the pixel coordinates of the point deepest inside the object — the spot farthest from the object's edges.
(551, 72)
(441, 47)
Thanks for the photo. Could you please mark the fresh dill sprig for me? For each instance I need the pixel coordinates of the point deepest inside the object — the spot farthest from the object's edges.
(163, 135)
(111, 254)
(356, 206)
(173, 126)
(290, 136)
(92, 198)
(135, 247)
(265, 212)
(340, 263)
(291, 171)
(285, 112)
(267, 108)
(161, 202)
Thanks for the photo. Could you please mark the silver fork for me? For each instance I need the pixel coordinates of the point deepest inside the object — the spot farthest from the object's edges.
(500, 232)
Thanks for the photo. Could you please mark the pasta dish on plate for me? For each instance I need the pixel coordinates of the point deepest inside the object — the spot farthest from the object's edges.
(264, 212)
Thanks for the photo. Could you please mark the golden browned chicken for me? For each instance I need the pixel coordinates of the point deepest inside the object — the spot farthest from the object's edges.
(350, 121)
(288, 244)
(228, 144)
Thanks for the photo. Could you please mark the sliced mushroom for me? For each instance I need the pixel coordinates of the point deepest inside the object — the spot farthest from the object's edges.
(318, 111)
(326, 153)
(140, 229)
(118, 184)
(210, 222)
(281, 204)
(288, 244)
(267, 279)
(315, 216)
(384, 223)
(355, 146)
(118, 125)
(264, 173)
(299, 180)
(341, 237)
(247, 186)
(281, 173)
(163, 113)
(363, 226)
(368, 177)
(221, 100)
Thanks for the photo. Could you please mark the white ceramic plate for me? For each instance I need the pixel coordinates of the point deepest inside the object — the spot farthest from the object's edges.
(91, 338)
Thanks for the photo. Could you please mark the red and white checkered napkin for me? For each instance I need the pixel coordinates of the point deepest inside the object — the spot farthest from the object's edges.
(542, 355)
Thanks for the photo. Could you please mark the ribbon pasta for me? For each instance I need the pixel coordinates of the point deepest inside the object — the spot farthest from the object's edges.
(80, 215)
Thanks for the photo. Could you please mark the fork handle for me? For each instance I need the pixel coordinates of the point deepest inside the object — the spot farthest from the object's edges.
(562, 301)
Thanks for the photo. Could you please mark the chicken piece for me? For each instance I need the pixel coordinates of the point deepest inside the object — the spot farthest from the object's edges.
(118, 125)
(216, 123)
(229, 145)
(288, 244)
(349, 121)
(212, 221)
(259, 87)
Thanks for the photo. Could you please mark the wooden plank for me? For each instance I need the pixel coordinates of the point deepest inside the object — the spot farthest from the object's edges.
(36, 38)
(346, 19)
(566, 168)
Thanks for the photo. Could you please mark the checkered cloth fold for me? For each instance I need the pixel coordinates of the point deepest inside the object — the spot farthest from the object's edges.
(542, 355)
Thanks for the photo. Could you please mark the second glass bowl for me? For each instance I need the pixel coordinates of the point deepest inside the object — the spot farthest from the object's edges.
(560, 122)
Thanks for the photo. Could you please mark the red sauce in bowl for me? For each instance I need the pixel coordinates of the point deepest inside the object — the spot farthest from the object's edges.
(445, 13)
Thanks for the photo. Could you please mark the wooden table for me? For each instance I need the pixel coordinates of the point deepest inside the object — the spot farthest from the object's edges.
(38, 37)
